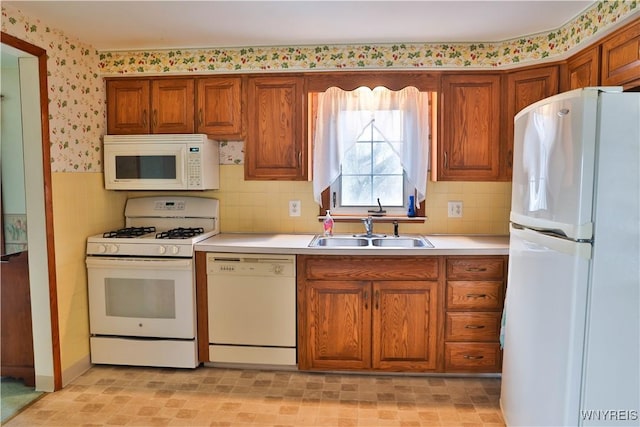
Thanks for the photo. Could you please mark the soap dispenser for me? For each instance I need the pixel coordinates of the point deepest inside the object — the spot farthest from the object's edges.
(328, 224)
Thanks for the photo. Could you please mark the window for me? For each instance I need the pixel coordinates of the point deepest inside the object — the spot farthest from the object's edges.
(371, 170)
(370, 146)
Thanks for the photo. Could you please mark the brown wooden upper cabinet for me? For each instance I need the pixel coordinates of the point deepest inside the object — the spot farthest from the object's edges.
(621, 57)
(583, 69)
(219, 107)
(275, 146)
(522, 89)
(140, 106)
(469, 143)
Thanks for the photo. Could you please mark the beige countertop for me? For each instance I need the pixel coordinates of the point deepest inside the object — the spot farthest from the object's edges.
(268, 243)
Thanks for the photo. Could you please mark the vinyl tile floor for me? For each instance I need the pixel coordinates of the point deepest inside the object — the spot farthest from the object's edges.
(207, 396)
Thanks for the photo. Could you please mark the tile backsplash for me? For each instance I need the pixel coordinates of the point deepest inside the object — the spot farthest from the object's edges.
(263, 206)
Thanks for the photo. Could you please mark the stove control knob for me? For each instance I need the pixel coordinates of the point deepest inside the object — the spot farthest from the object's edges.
(102, 249)
(175, 250)
(162, 250)
(113, 249)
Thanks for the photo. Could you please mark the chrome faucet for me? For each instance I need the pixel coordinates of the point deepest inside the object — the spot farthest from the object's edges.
(368, 228)
(368, 225)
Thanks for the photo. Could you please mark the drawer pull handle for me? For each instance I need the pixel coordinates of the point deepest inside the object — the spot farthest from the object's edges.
(470, 357)
(477, 269)
(474, 326)
(366, 300)
(476, 295)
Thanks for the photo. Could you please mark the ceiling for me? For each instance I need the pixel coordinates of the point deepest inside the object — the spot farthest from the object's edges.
(151, 25)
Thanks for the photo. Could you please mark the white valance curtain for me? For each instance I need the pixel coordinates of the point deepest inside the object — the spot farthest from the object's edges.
(337, 132)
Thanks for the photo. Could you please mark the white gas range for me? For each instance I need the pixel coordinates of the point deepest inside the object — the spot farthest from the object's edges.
(160, 226)
(141, 280)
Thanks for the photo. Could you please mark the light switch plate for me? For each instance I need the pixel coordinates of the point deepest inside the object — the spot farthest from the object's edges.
(454, 209)
(294, 208)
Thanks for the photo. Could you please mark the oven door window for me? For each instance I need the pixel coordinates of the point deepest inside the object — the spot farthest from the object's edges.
(143, 298)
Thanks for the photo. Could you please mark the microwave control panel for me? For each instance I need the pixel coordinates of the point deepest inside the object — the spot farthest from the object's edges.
(194, 173)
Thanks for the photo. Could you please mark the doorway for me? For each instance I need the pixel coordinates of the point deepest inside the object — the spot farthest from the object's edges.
(40, 256)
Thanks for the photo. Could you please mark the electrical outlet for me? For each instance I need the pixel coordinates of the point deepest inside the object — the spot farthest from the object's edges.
(455, 209)
(294, 207)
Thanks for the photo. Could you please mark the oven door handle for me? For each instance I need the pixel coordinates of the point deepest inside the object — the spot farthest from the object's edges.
(140, 263)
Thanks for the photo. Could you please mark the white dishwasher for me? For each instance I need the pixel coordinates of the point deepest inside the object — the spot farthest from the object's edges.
(252, 308)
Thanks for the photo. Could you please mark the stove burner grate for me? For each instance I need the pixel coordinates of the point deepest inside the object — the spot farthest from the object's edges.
(129, 232)
(180, 233)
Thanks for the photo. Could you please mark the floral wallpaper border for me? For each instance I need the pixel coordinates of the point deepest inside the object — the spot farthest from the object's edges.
(382, 56)
(77, 117)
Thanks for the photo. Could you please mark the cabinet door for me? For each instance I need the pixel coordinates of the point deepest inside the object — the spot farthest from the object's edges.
(128, 107)
(469, 146)
(584, 69)
(16, 349)
(275, 147)
(405, 325)
(338, 325)
(172, 105)
(621, 58)
(524, 88)
(219, 101)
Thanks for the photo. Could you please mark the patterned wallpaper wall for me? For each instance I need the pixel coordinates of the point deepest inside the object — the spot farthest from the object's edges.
(77, 94)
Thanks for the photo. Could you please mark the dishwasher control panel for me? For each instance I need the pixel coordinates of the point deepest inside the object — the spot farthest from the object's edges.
(251, 264)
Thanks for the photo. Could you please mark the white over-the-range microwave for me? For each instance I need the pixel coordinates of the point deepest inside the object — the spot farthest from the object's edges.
(161, 162)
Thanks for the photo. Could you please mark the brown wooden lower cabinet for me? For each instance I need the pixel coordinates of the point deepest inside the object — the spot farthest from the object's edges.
(400, 314)
(370, 313)
(17, 336)
(475, 294)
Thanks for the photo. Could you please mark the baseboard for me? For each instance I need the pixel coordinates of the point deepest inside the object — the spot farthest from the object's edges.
(75, 370)
(45, 383)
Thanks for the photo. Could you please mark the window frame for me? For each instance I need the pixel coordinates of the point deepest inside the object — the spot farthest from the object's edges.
(336, 189)
(392, 81)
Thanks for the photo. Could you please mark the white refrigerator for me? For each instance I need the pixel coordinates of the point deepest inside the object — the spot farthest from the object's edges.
(571, 325)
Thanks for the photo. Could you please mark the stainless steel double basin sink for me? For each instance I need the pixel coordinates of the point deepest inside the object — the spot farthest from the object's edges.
(374, 241)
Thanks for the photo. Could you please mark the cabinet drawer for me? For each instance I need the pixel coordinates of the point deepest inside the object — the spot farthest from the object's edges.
(469, 268)
(480, 295)
(475, 357)
(369, 268)
(472, 326)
